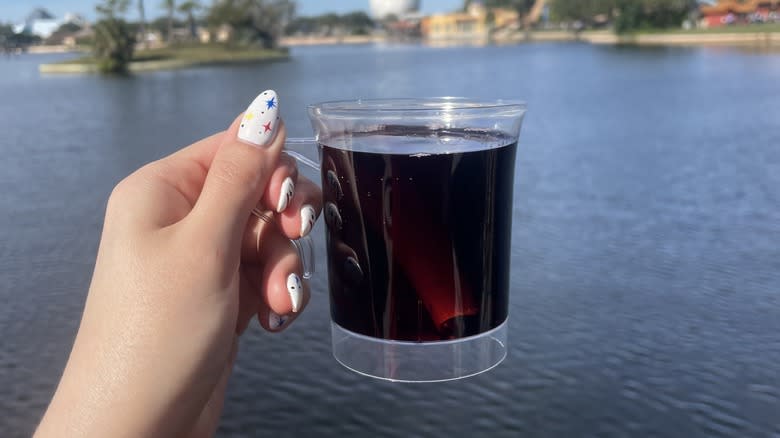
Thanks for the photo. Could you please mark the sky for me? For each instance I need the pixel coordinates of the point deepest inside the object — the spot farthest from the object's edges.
(15, 11)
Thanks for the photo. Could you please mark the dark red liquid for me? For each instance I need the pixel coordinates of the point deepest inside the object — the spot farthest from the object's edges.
(431, 234)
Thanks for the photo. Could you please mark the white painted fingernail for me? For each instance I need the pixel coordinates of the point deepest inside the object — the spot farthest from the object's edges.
(261, 118)
(275, 321)
(332, 216)
(308, 216)
(335, 185)
(295, 289)
(286, 194)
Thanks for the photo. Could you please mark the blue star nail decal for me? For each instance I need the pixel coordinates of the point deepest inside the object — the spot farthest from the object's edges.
(270, 103)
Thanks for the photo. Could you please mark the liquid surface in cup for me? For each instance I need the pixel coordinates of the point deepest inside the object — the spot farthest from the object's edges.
(419, 242)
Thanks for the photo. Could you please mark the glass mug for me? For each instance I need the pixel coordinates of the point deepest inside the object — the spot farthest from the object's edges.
(417, 201)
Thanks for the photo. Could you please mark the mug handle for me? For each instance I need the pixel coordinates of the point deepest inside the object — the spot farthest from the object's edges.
(297, 148)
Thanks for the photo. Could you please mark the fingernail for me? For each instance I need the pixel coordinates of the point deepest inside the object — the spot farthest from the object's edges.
(261, 118)
(308, 216)
(295, 289)
(332, 216)
(335, 185)
(352, 271)
(275, 321)
(286, 194)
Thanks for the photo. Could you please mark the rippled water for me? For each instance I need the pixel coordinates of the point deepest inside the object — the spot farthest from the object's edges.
(646, 245)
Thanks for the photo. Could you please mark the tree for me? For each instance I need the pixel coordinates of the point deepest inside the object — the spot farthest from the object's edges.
(114, 38)
(10, 40)
(188, 8)
(628, 15)
(160, 24)
(170, 6)
(521, 6)
(305, 25)
(582, 10)
(252, 21)
(355, 23)
(114, 43)
(142, 17)
(112, 9)
(7, 36)
(651, 14)
(358, 23)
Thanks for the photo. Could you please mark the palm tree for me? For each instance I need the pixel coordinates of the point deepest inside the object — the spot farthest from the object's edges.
(253, 21)
(114, 41)
(111, 9)
(170, 5)
(188, 8)
(142, 14)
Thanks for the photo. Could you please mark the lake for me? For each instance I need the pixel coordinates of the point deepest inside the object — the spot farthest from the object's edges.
(645, 250)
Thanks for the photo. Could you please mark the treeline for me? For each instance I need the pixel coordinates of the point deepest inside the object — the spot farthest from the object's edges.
(354, 23)
(10, 40)
(521, 6)
(626, 15)
(249, 22)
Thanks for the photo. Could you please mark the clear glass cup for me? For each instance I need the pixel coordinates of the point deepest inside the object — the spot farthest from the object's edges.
(418, 210)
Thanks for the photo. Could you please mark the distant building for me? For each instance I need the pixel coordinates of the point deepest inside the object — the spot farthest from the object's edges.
(407, 28)
(380, 9)
(43, 23)
(727, 12)
(473, 25)
(221, 34)
(76, 19)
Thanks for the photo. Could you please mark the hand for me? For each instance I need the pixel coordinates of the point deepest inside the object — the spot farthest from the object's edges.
(182, 268)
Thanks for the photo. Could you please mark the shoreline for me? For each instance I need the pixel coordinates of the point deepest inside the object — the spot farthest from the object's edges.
(683, 38)
(178, 60)
(332, 40)
(46, 49)
(171, 63)
(758, 38)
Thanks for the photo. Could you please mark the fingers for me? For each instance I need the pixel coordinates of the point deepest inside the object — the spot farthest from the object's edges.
(238, 174)
(265, 227)
(281, 186)
(163, 191)
(274, 321)
(260, 233)
(282, 294)
(272, 285)
(302, 211)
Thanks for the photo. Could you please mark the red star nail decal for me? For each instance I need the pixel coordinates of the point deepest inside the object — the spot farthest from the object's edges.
(267, 127)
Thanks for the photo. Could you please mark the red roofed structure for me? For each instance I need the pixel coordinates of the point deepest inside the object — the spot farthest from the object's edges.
(727, 12)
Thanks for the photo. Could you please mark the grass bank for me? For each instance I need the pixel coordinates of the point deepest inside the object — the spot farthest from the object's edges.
(174, 57)
(735, 29)
(747, 36)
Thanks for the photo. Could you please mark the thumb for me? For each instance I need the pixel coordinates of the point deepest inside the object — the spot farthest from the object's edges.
(238, 174)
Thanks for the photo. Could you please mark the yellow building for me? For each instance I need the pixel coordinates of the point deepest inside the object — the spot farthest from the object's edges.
(474, 24)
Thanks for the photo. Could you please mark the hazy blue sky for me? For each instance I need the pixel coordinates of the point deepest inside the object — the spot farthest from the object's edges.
(12, 10)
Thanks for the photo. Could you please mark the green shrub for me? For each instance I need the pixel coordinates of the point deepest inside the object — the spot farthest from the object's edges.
(114, 44)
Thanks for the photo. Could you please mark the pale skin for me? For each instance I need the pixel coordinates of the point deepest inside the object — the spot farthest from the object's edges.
(183, 267)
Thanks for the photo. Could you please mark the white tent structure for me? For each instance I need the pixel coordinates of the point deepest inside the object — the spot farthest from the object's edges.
(382, 8)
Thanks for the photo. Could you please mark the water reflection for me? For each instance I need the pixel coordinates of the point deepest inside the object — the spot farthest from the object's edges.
(645, 261)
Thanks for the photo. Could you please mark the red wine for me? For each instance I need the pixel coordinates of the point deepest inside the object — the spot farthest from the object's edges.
(419, 242)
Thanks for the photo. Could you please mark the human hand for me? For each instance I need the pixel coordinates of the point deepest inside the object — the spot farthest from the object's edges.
(182, 268)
